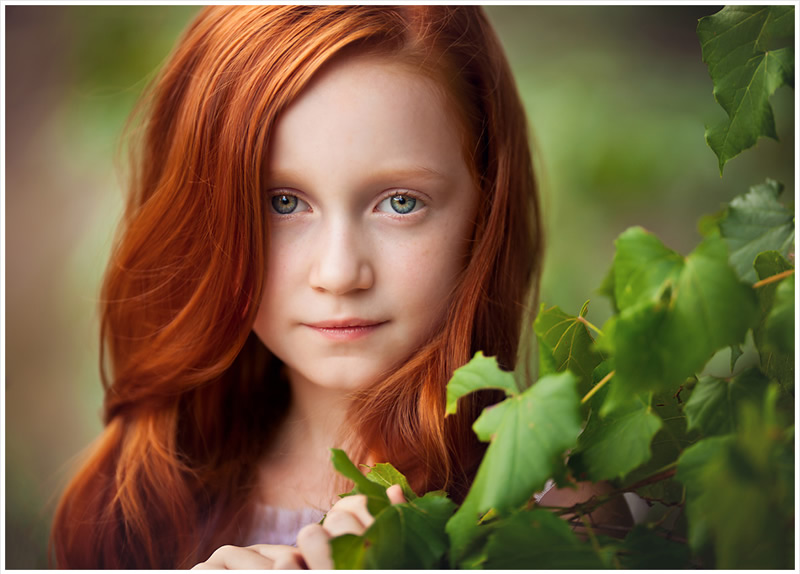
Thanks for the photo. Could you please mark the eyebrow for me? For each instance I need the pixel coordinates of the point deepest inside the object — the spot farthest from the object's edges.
(386, 174)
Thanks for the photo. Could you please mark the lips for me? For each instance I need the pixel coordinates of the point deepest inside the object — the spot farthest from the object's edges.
(344, 323)
(348, 329)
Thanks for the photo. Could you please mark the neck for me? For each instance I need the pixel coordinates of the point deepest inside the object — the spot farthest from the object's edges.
(296, 470)
(315, 419)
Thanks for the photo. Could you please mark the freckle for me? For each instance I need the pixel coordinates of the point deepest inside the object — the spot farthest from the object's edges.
(530, 425)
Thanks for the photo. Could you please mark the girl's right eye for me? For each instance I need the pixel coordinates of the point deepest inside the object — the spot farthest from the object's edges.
(286, 204)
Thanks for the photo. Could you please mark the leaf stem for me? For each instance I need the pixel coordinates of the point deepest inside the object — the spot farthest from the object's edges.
(773, 278)
(588, 324)
(597, 387)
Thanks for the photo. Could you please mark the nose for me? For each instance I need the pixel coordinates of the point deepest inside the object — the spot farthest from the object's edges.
(341, 264)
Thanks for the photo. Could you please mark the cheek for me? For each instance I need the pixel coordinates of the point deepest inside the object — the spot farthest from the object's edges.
(280, 281)
(423, 273)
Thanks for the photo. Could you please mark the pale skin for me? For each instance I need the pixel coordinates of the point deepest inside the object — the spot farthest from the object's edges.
(372, 209)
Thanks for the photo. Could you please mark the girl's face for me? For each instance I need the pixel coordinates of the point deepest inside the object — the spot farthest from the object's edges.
(371, 212)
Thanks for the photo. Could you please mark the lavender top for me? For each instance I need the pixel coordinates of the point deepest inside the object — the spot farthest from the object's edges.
(273, 525)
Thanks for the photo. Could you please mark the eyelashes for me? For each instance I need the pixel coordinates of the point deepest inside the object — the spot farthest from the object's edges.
(396, 203)
(400, 203)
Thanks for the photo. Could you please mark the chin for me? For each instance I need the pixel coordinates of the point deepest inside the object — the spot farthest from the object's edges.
(343, 376)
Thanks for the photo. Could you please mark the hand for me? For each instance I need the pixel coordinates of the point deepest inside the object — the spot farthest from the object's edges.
(256, 557)
(348, 516)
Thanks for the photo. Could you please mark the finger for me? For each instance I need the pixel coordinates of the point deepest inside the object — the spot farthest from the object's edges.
(357, 505)
(395, 494)
(236, 558)
(313, 543)
(289, 561)
(273, 551)
(283, 557)
(339, 522)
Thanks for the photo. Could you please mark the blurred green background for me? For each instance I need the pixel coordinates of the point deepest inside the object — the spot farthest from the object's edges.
(617, 98)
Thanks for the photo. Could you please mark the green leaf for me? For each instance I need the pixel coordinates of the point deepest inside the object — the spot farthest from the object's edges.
(740, 491)
(348, 551)
(566, 344)
(675, 313)
(607, 288)
(538, 539)
(612, 446)
(756, 222)
(530, 434)
(693, 465)
(779, 324)
(708, 225)
(749, 53)
(644, 549)
(775, 364)
(410, 535)
(404, 536)
(714, 404)
(385, 475)
(667, 445)
(528, 442)
(642, 267)
(480, 373)
(377, 499)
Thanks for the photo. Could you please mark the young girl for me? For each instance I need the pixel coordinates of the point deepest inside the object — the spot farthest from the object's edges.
(332, 209)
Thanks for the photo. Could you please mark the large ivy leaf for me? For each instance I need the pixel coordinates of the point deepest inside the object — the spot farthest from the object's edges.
(538, 539)
(611, 446)
(714, 405)
(480, 373)
(756, 222)
(675, 313)
(404, 536)
(565, 344)
(740, 491)
(775, 364)
(529, 435)
(528, 441)
(749, 53)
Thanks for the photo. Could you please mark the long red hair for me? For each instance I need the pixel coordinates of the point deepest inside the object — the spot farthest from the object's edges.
(191, 395)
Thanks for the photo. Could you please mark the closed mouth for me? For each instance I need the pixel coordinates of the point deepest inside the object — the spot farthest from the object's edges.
(345, 330)
(345, 324)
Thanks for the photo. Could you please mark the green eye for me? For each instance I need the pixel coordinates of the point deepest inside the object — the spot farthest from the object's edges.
(400, 203)
(403, 204)
(284, 203)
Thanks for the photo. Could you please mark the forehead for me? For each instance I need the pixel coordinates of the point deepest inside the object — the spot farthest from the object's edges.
(379, 110)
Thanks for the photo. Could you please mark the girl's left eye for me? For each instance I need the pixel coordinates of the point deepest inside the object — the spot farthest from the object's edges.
(400, 203)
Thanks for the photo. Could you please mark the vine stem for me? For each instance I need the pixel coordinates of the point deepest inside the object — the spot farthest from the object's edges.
(589, 506)
(597, 387)
(588, 324)
(590, 532)
(773, 278)
(664, 475)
